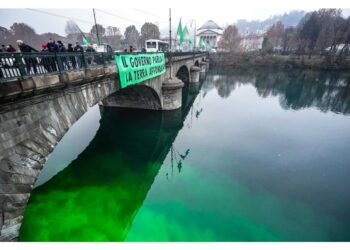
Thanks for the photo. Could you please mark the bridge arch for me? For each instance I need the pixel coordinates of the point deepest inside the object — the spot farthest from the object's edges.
(183, 74)
(135, 96)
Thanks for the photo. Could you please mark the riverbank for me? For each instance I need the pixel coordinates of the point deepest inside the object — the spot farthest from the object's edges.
(277, 61)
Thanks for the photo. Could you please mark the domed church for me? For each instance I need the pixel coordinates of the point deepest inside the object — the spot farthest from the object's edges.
(210, 32)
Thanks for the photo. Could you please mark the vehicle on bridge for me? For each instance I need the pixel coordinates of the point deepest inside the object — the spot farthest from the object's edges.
(154, 45)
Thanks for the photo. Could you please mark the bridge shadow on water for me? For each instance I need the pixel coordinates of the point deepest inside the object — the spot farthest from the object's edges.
(97, 196)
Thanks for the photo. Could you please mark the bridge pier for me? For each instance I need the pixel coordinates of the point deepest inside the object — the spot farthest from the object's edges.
(194, 74)
(203, 66)
(172, 93)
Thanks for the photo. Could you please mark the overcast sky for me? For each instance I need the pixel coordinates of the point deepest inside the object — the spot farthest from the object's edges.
(222, 12)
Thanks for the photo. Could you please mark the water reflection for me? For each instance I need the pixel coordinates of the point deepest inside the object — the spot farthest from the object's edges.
(100, 192)
(296, 89)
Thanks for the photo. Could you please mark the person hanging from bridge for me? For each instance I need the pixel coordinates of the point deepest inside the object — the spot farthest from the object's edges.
(30, 62)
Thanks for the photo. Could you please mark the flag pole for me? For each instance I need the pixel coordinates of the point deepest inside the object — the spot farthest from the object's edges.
(98, 37)
(170, 40)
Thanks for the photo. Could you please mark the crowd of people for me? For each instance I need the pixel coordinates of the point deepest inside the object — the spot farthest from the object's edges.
(48, 62)
(51, 63)
(50, 46)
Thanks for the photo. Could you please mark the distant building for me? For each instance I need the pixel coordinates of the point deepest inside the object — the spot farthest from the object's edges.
(210, 33)
(252, 41)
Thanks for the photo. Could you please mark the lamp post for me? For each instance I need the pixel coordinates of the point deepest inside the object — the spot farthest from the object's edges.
(194, 32)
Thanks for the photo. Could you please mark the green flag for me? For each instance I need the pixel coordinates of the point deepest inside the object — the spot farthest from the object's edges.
(207, 46)
(85, 40)
(179, 29)
(184, 35)
(200, 43)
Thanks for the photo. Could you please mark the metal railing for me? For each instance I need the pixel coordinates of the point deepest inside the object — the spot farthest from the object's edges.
(21, 65)
(184, 55)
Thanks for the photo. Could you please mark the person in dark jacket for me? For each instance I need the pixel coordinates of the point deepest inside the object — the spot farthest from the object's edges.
(3, 48)
(72, 58)
(52, 46)
(30, 62)
(79, 48)
(90, 49)
(10, 49)
(62, 49)
(90, 59)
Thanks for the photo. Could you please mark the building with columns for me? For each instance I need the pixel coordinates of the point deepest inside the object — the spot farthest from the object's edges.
(210, 32)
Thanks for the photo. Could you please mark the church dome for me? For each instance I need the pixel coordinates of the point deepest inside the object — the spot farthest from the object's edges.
(210, 25)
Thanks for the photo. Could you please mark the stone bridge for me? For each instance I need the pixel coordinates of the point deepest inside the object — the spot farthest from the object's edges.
(37, 110)
(19, 80)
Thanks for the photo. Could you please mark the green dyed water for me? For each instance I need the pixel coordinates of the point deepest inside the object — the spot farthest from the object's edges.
(252, 156)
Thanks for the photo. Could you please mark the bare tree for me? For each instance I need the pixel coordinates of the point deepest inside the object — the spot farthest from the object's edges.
(113, 31)
(113, 37)
(149, 31)
(275, 35)
(71, 28)
(101, 31)
(230, 40)
(26, 33)
(132, 36)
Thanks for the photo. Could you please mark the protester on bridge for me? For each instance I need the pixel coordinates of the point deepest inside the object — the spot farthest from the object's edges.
(30, 62)
(3, 48)
(90, 48)
(143, 50)
(72, 58)
(10, 49)
(46, 61)
(131, 49)
(90, 59)
(52, 46)
(62, 49)
(125, 50)
(78, 48)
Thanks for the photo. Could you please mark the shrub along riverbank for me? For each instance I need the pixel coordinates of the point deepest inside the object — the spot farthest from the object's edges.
(257, 59)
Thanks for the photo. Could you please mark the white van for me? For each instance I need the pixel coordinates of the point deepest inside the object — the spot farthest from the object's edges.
(154, 45)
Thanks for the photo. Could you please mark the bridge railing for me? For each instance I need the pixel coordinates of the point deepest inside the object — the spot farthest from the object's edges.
(184, 55)
(20, 65)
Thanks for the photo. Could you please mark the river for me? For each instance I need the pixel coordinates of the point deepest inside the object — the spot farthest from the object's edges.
(253, 155)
